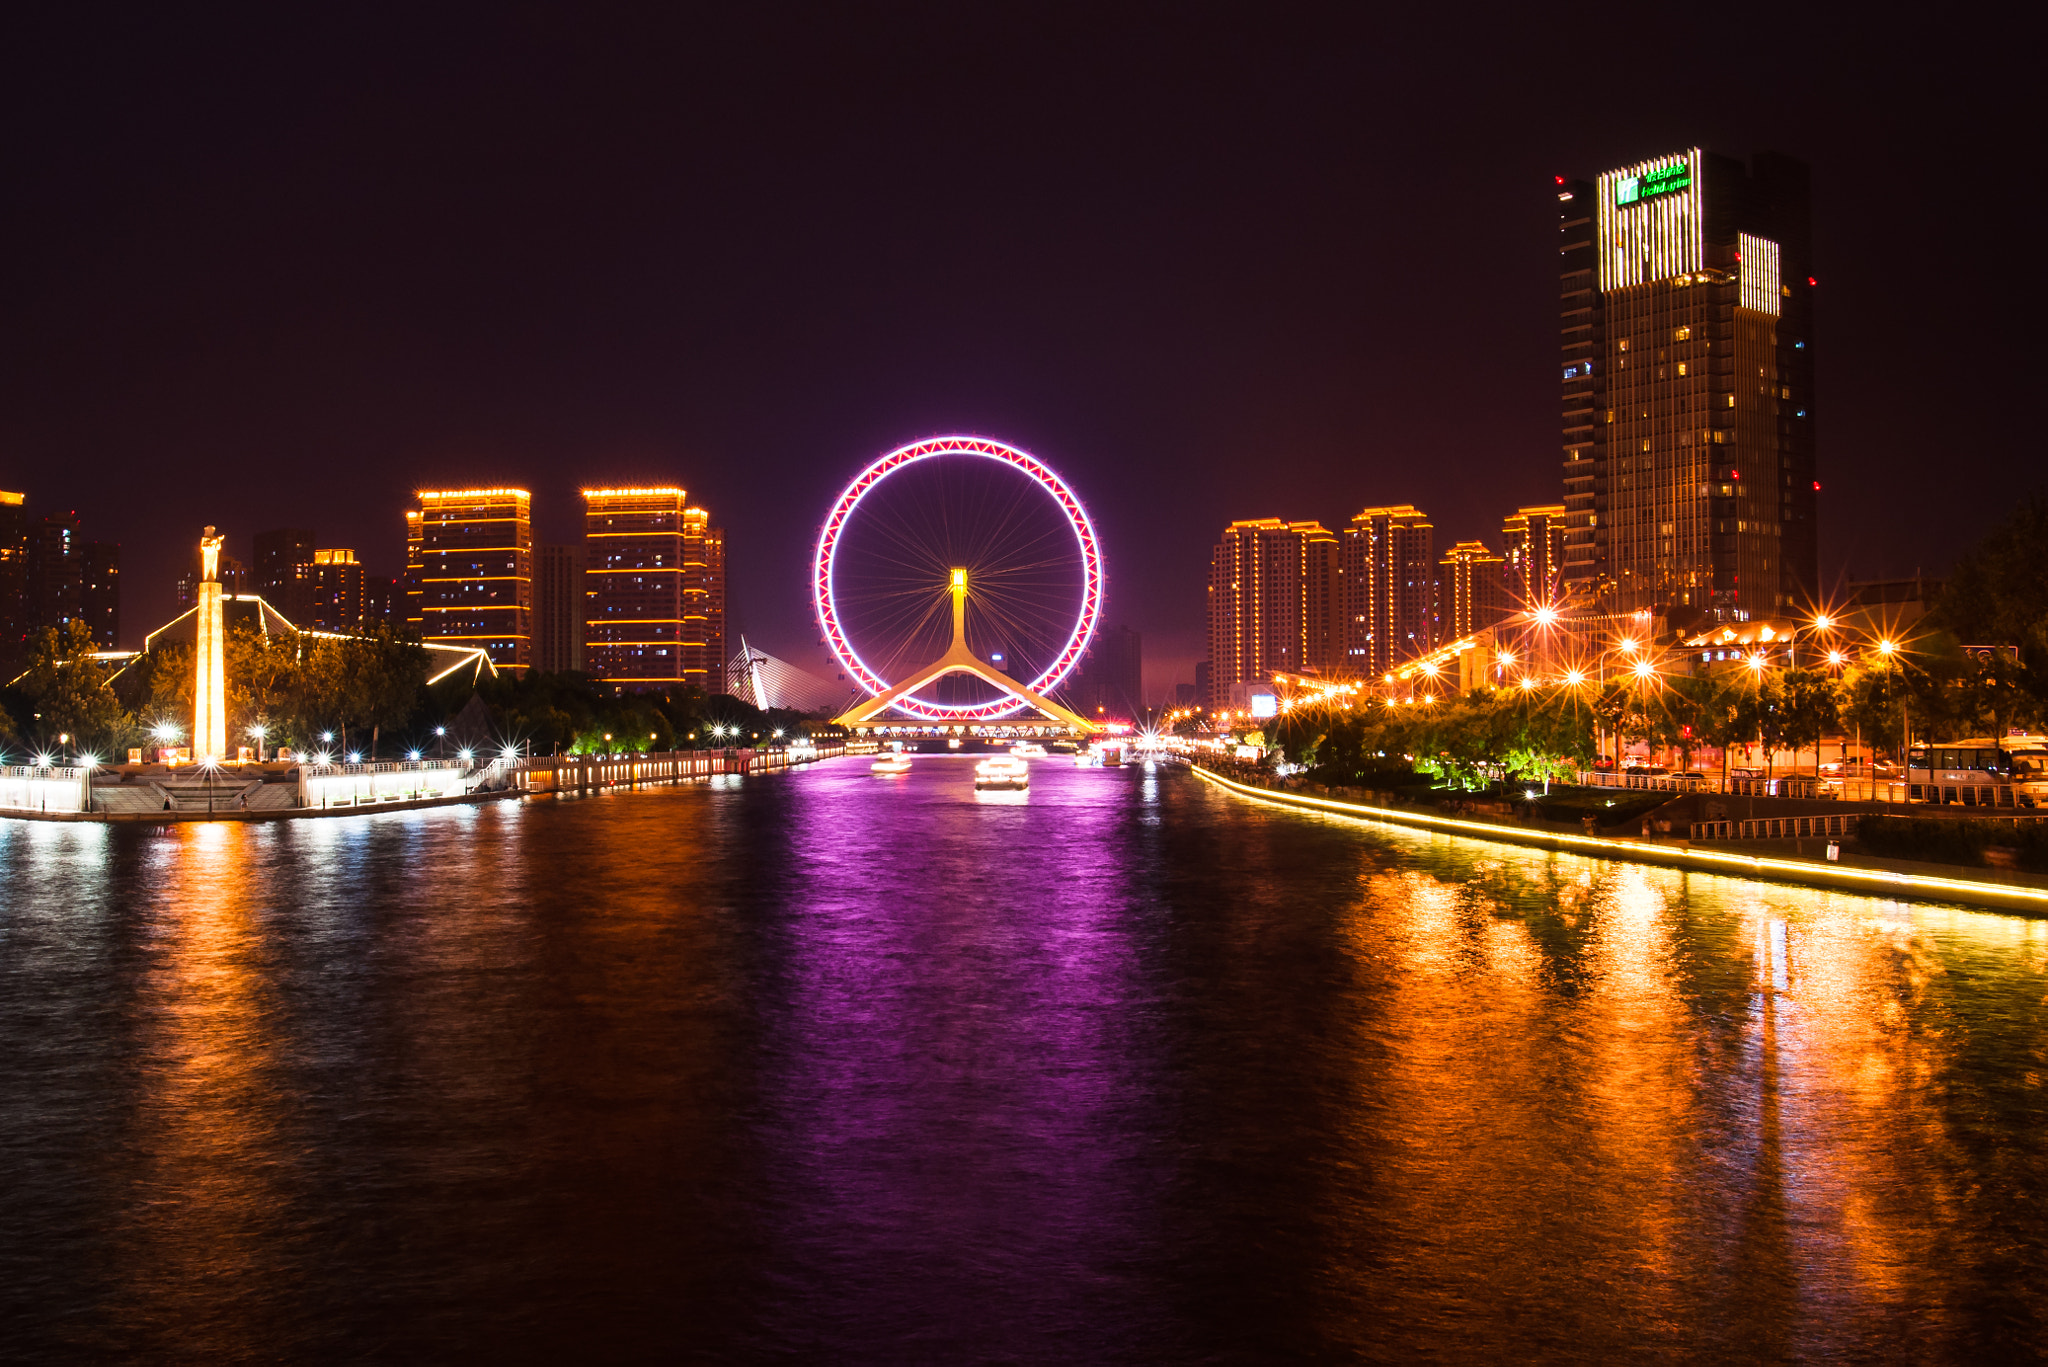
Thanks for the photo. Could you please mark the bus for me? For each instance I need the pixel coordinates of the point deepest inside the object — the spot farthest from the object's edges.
(1980, 772)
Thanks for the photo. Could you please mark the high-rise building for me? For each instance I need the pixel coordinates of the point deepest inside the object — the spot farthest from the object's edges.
(49, 574)
(654, 577)
(279, 572)
(381, 604)
(703, 601)
(99, 591)
(16, 620)
(410, 595)
(1535, 554)
(1390, 593)
(55, 570)
(473, 549)
(1688, 399)
(334, 592)
(1274, 601)
(1475, 595)
(1109, 682)
(559, 605)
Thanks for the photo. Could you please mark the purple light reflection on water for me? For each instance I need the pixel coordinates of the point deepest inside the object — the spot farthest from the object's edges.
(999, 1019)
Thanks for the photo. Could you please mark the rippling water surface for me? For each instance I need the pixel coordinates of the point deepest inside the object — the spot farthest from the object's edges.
(829, 1068)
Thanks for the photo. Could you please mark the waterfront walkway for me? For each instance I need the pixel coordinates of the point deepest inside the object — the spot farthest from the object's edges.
(1851, 873)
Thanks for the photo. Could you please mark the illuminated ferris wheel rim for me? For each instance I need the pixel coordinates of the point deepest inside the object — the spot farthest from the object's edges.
(827, 606)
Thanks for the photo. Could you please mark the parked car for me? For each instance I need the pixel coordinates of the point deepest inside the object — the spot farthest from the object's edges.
(1690, 776)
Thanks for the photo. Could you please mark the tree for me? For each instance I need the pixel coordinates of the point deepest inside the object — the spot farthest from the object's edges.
(1998, 594)
(1811, 710)
(65, 693)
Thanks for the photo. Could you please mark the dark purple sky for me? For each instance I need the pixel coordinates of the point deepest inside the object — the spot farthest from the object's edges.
(281, 270)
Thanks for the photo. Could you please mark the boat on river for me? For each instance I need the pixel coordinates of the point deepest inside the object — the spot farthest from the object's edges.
(1028, 750)
(1004, 773)
(891, 764)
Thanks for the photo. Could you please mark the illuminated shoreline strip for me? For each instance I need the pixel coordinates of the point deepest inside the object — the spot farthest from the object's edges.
(1874, 881)
(828, 550)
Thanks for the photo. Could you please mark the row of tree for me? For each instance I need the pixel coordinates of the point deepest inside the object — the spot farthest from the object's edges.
(1942, 694)
(366, 695)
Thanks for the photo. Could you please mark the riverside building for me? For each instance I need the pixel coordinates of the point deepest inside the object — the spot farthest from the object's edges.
(469, 567)
(1275, 604)
(1388, 570)
(654, 590)
(1686, 304)
(1533, 540)
(1474, 592)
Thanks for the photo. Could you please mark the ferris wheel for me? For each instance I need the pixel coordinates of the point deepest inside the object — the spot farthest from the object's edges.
(925, 520)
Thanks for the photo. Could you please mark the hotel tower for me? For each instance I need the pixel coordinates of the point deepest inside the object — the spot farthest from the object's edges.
(1686, 305)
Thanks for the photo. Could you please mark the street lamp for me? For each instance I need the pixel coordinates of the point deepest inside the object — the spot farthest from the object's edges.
(256, 733)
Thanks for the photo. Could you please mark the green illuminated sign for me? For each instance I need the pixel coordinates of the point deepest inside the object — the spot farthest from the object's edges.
(1650, 184)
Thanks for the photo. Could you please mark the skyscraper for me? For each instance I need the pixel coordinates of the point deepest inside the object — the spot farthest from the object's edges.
(1474, 595)
(99, 591)
(1688, 401)
(1273, 603)
(1534, 548)
(473, 553)
(1390, 598)
(655, 590)
(279, 572)
(16, 620)
(332, 592)
(559, 608)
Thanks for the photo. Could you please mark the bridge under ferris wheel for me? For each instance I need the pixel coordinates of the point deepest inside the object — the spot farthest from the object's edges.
(957, 510)
(958, 659)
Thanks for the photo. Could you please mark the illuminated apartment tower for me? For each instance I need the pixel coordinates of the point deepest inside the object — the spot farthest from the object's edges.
(409, 594)
(333, 591)
(1390, 597)
(474, 553)
(655, 590)
(1475, 594)
(1274, 605)
(1688, 401)
(1534, 544)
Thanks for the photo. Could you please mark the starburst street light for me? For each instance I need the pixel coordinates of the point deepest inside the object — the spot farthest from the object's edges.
(1887, 646)
(1645, 669)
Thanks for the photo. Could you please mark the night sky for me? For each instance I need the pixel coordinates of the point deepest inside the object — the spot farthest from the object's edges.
(280, 270)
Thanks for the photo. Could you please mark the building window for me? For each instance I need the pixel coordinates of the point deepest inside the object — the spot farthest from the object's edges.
(1681, 364)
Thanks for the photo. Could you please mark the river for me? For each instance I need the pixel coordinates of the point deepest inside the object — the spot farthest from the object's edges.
(824, 1067)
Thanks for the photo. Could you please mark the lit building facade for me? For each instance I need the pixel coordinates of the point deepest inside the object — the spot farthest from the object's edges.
(1388, 567)
(559, 608)
(1274, 603)
(333, 592)
(1687, 386)
(654, 586)
(470, 551)
(1533, 540)
(1474, 591)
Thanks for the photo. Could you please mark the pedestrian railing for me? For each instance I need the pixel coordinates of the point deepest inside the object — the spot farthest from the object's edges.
(1777, 828)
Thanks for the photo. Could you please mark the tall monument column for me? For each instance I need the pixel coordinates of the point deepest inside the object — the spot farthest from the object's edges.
(209, 661)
